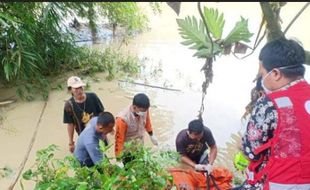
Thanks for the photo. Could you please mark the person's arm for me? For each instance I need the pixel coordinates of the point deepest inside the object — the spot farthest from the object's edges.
(213, 153)
(67, 118)
(94, 152)
(148, 124)
(212, 145)
(120, 133)
(185, 159)
(149, 129)
(70, 129)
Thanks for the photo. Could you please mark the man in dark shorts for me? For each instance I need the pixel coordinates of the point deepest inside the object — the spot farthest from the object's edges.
(80, 108)
(192, 144)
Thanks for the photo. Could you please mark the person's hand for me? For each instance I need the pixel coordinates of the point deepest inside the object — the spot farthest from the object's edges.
(204, 167)
(119, 164)
(154, 140)
(71, 147)
(209, 168)
(200, 167)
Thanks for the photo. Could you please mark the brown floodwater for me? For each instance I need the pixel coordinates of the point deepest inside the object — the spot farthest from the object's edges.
(171, 64)
(166, 63)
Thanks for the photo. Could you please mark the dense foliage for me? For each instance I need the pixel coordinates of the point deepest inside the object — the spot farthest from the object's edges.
(146, 171)
(35, 43)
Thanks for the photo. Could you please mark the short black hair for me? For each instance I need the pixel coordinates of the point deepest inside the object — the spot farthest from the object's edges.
(104, 118)
(284, 53)
(258, 85)
(141, 100)
(195, 126)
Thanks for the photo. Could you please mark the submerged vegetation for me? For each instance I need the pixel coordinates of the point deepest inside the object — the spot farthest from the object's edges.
(35, 42)
(51, 173)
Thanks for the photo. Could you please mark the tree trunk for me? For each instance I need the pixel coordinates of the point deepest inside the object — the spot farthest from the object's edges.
(308, 57)
(273, 25)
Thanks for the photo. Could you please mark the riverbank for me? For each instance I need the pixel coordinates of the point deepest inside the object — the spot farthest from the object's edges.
(21, 123)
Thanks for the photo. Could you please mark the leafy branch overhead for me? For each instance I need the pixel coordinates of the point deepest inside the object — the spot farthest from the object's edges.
(205, 36)
(195, 35)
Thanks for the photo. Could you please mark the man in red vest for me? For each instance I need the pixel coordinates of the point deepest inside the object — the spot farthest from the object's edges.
(277, 139)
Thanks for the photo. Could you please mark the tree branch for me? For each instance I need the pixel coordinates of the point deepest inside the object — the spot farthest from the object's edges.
(307, 57)
(273, 26)
(295, 18)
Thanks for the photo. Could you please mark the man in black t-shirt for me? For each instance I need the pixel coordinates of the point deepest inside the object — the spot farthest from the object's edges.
(192, 144)
(80, 108)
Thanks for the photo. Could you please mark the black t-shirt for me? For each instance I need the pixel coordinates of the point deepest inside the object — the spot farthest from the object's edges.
(192, 148)
(92, 105)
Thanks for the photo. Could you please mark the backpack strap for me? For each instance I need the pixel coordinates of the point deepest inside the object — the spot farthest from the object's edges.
(73, 114)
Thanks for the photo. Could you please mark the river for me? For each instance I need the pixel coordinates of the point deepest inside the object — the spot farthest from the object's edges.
(167, 63)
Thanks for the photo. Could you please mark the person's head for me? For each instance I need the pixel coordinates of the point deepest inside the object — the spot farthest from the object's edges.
(105, 122)
(281, 61)
(76, 86)
(140, 104)
(195, 129)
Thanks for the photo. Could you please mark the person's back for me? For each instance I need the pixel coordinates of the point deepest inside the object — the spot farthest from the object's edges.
(87, 149)
(290, 155)
(277, 140)
(87, 138)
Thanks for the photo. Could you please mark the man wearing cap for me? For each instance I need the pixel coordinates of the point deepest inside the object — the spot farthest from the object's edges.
(79, 109)
(277, 138)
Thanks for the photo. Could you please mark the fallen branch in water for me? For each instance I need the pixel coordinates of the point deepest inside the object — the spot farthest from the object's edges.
(152, 86)
(22, 165)
(6, 102)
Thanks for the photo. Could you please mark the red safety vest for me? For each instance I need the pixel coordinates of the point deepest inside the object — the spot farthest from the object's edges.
(288, 165)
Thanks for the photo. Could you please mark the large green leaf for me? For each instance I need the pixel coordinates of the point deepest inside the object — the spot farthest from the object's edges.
(239, 33)
(206, 52)
(215, 22)
(193, 33)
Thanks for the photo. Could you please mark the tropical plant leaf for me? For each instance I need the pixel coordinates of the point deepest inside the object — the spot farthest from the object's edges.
(215, 22)
(7, 71)
(239, 33)
(206, 52)
(193, 33)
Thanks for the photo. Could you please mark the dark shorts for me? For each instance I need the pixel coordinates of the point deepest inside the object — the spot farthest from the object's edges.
(87, 163)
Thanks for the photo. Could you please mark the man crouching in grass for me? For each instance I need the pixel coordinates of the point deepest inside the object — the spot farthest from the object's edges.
(87, 149)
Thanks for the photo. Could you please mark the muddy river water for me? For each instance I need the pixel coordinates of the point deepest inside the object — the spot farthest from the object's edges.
(167, 63)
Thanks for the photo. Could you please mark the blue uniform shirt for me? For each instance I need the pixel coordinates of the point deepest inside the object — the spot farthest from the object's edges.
(87, 147)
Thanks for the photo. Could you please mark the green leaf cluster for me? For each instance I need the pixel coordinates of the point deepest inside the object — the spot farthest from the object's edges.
(36, 45)
(147, 171)
(194, 33)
